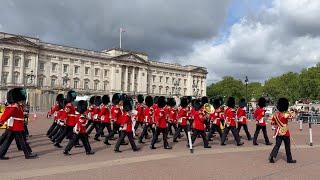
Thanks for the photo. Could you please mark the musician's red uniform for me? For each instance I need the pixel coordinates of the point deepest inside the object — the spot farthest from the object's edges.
(160, 117)
(199, 120)
(216, 117)
(16, 112)
(140, 112)
(71, 118)
(104, 114)
(183, 116)
(149, 115)
(126, 122)
(95, 113)
(242, 115)
(81, 123)
(259, 114)
(172, 115)
(230, 117)
(281, 118)
(116, 113)
(54, 111)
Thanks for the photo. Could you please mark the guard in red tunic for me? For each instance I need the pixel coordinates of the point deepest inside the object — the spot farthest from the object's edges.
(79, 131)
(199, 127)
(215, 119)
(70, 118)
(230, 120)
(89, 111)
(280, 121)
(105, 116)
(96, 121)
(14, 118)
(259, 115)
(242, 118)
(126, 126)
(149, 122)
(140, 112)
(172, 115)
(61, 124)
(53, 112)
(182, 119)
(161, 121)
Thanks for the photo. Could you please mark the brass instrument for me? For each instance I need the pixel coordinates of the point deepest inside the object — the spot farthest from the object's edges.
(208, 108)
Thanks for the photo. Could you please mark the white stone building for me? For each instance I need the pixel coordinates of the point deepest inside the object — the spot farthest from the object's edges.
(46, 69)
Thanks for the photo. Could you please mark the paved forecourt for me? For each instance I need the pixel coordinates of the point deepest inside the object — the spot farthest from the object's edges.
(224, 162)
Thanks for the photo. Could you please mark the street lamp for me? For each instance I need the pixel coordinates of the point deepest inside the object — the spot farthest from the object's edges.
(30, 76)
(195, 89)
(65, 79)
(176, 85)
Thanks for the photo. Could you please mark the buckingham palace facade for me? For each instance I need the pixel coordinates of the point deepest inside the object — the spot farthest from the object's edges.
(46, 69)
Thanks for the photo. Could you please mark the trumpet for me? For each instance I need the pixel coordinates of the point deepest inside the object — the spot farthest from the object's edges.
(208, 108)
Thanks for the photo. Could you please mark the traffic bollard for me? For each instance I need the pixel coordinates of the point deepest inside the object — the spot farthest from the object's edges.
(310, 134)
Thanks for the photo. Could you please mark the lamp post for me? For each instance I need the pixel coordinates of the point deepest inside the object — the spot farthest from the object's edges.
(246, 81)
(30, 76)
(176, 85)
(65, 79)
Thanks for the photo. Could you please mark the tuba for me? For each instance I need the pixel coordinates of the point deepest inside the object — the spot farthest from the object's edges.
(208, 108)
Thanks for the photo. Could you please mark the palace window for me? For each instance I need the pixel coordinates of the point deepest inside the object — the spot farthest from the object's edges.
(167, 79)
(153, 78)
(41, 66)
(6, 61)
(105, 85)
(4, 78)
(96, 85)
(185, 82)
(15, 77)
(160, 78)
(86, 84)
(53, 82)
(106, 72)
(17, 61)
(40, 81)
(54, 67)
(160, 89)
(86, 70)
(65, 68)
(27, 63)
(75, 84)
(96, 71)
(76, 69)
(173, 79)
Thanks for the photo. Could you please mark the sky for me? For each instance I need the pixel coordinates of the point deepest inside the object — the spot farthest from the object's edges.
(255, 38)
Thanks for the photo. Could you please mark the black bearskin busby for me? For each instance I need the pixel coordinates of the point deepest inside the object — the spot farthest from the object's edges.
(149, 101)
(155, 99)
(216, 103)
(16, 94)
(262, 102)
(91, 100)
(105, 99)
(204, 100)
(127, 104)
(231, 102)
(97, 101)
(283, 104)
(161, 102)
(189, 98)
(197, 104)
(82, 106)
(140, 98)
(71, 96)
(184, 102)
(62, 103)
(116, 98)
(59, 96)
(242, 102)
(171, 102)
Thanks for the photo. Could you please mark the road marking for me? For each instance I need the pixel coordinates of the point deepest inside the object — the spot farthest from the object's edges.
(102, 164)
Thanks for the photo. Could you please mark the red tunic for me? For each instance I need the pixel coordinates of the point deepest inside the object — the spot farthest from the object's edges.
(172, 115)
(160, 117)
(149, 115)
(54, 112)
(283, 119)
(105, 114)
(230, 117)
(241, 115)
(116, 113)
(89, 112)
(259, 116)
(126, 122)
(140, 112)
(182, 116)
(81, 123)
(13, 116)
(95, 113)
(70, 113)
(216, 116)
(199, 120)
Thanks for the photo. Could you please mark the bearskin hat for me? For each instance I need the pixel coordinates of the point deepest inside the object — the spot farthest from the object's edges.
(91, 100)
(171, 102)
(155, 99)
(204, 100)
(82, 106)
(140, 98)
(149, 101)
(123, 97)
(127, 104)
(161, 102)
(192, 102)
(59, 96)
(116, 98)
(262, 102)
(105, 99)
(242, 102)
(71, 96)
(197, 104)
(189, 98)
(283, 104)
(184, 102)
(231, 102)
(62, 103)
(216, 103)
(97, 101)
(16, 94)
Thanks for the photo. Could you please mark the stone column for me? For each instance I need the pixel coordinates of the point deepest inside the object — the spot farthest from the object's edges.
(125, 88)
(35, 79)
(10, 74)
(139, 89)
(112, 78)
(22, 68)
(1, 64)
(132, 79)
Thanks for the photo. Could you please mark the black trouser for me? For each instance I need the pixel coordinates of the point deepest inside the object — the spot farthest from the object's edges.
(245, 128)
(256, 133)
(164, 132)
(201, 133)
(67, 132)
(95, 125)
(123, 134)
(178, 131)
(116, 127)
(89, 123)
(54, 131)
(234, 133)
(54, 124)
(170, 125)
(214, 127)
(276, 147)
(75, 139)
(20, 140)
(144, 132)
(26, 130)
(3, 136)
(137, 125)
(104, 125)
(59, 131)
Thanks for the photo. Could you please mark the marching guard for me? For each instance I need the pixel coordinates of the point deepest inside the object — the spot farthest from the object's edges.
(280, 121)
(242, 118)
(54, 112)
(105, 116)
(259, 115)
(215, 119)
(95, 118)
(182, 119)
(149, 122)
(140, 111)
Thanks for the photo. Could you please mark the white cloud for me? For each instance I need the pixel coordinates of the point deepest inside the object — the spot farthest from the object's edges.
(281, 38)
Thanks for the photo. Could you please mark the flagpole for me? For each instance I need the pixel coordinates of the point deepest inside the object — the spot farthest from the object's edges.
(120, 36)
